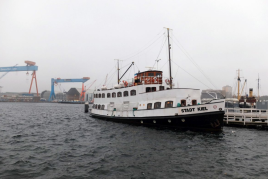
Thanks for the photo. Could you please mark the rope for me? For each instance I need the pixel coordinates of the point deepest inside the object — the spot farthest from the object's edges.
(146, 46)
(190, 74)
(160, 51)
(143, 49)
(192, 60)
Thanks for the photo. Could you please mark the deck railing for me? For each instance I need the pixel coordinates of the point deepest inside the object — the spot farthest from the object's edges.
(246, 113)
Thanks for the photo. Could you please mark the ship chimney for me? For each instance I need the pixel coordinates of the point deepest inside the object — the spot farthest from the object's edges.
(250, 92)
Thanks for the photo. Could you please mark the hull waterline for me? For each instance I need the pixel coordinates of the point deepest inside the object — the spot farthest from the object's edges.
(212, 121)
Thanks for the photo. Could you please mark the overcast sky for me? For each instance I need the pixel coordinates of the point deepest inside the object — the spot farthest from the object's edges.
(81, 38)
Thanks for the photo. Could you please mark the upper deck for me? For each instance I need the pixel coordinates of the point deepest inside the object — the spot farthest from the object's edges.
(149, 77)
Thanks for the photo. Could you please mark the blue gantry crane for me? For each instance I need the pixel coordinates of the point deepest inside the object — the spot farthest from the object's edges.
(30, 66)
(59, 80)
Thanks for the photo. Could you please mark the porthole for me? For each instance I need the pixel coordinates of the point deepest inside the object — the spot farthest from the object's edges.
(154, 121)
(142, 122)
(182, 120)
(169, 121)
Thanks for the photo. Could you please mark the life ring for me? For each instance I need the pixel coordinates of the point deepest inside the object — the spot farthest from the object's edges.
(155, 79)
(125, 83)
(148, 80)
(167, 81)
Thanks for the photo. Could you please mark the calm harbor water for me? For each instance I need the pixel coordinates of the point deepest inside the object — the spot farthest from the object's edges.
(42, 140)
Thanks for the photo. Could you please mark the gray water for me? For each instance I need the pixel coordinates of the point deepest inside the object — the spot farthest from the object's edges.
(42, 140)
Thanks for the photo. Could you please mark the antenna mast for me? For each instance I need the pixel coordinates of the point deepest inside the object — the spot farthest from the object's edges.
(117, 70)
(238, 83)
(169, 47)
(258, 86)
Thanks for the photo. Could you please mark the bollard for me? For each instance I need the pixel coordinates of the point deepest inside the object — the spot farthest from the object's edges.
(86, 107)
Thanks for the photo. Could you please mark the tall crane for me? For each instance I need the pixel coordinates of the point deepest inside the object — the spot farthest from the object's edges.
(82, 95)
(30, 66)
(59, 80)
(7, 72)
(3, 76)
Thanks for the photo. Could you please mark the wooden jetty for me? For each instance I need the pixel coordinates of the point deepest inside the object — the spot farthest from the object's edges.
(246, 117)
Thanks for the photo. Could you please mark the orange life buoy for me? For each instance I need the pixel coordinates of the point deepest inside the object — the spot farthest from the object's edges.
(167, 81)
(125, 83)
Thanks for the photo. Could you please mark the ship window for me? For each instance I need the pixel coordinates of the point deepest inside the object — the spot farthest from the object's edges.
(153, 88)
(99, 106)
(96, 95)
(161, 88)
(158, 74)
(148, 89)
(150, 74)
(108, 95)
(194, 102)
(149, 106)
(157, 105)
(102, 107)
(103, 95)
(183, 102)
(169, 104)
(113, 94)
(133, 92)
(93, 106)
(99, 95)
(125, 93)
(119, 94)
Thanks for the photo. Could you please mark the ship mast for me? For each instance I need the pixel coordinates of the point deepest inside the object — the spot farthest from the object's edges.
(169, 47)
(258, 87)
(117, 71)
(238, 82)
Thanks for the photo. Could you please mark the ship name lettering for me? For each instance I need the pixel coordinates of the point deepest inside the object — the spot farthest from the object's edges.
(188, 110)
(202, 109)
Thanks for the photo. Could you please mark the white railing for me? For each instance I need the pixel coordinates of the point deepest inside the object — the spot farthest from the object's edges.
(246, 113)
(143, 80)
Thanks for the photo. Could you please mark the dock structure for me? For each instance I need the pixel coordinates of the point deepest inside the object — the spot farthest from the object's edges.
(246, 117)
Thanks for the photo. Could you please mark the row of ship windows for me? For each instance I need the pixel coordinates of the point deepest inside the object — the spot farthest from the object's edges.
(119, 94)
(157, 105)
(125, 93)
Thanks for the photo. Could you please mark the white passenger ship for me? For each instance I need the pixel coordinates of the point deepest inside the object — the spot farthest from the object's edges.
(151, 100)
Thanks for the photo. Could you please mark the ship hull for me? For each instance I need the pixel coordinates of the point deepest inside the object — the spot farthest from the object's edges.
(210, 121)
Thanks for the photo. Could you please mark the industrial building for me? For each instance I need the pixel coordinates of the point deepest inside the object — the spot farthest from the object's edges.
(73, 94)
(59, 95)
(19, 97)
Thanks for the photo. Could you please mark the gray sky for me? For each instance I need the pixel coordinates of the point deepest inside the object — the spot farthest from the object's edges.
(77, 38)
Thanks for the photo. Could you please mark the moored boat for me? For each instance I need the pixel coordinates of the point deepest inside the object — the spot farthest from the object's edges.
(150, 100)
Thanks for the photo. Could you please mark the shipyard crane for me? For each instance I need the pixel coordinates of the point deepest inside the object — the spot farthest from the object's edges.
(3, 76)
(7, 72)
(30, 66)
(82, 95)
(59, 80)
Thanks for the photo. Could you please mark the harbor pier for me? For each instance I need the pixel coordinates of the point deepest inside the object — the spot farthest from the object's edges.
(246, 117)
